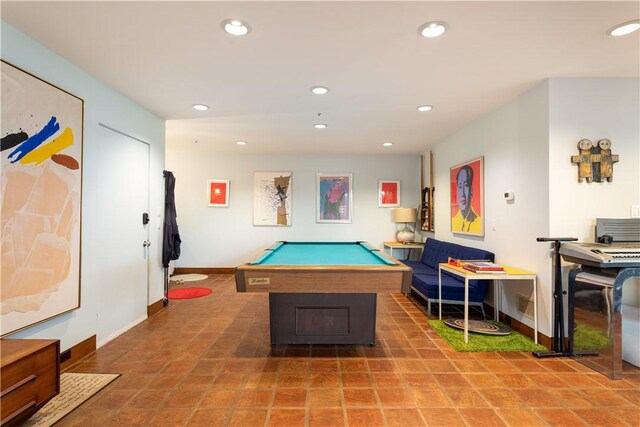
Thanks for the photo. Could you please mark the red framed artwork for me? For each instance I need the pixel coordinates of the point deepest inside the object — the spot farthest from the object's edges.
(467, 198)
(218, 193)
(388, 193)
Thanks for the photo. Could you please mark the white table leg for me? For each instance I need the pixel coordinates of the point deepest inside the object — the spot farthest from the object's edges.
(466, 310)
(439, 294)
(535, 310)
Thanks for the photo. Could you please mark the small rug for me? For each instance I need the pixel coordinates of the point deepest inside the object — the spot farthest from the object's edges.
(75, 389)
(181, 278)
(187, 293)
(481, 342)
(478, 326)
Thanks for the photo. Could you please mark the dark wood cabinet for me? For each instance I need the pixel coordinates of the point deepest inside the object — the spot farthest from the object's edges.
(30, 376)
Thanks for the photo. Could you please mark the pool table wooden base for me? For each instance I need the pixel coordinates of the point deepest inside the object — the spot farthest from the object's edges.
(323, 318)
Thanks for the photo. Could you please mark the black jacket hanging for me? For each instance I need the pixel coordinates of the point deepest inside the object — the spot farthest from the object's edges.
(170, 237)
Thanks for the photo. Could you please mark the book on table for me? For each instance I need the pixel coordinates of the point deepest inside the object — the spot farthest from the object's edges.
(483, 267)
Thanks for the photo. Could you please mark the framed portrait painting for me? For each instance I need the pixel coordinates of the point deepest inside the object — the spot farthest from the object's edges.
(388, 193)
(218, 193)
(467, 198)
(272, 198)
(334, 198)
(41, 164)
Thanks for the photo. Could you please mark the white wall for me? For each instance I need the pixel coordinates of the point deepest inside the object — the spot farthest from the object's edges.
(527, 145)
(101, 105)
(513, 141)
(594, 109)
(226, 237)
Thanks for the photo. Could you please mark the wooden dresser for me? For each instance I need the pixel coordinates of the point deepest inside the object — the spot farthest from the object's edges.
(30, 377)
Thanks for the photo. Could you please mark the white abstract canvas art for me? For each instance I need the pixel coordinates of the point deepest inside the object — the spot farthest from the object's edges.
(41, 161)
(272, 198)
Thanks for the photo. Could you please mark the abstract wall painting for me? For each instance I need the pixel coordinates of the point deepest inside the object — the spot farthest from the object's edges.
(272, 198)
(334, 198)
(41, 160)
(218, 193)
(388, 193)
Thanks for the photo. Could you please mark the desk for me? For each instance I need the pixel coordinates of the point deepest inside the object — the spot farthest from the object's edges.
(509, 274)
(323, 292)
(408, 246)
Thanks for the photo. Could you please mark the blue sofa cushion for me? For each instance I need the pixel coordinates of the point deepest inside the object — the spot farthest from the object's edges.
(420, 268)
(447, 250)
(430, 253)
(452, 289)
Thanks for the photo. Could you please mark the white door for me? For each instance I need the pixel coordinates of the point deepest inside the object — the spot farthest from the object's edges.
(123, 191)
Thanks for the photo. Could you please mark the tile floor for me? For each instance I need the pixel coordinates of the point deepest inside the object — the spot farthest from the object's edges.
(208, 362)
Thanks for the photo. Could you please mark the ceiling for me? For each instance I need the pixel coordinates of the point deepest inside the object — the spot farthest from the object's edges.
(167, 56)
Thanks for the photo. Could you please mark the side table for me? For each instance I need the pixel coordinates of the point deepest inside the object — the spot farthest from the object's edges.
(509, 273)
(406, 246)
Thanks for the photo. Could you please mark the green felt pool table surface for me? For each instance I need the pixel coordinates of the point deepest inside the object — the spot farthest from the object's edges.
(322, 253)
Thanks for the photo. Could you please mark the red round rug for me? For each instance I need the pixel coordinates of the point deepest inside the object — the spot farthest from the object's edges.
(186, 293)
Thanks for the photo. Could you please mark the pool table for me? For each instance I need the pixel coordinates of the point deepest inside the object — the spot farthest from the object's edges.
(323, 292)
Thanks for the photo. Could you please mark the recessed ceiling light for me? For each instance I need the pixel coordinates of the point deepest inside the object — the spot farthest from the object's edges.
(425, 108)
(432, 29)
(200, 107)
(241, 142)
(624, 28)
(319, 126)
(319, 90)
(387, 144)
(235, 27)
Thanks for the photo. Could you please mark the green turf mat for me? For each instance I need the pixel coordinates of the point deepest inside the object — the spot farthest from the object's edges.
(480, 342)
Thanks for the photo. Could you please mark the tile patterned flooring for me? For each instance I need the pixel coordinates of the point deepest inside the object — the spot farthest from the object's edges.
(208, 362)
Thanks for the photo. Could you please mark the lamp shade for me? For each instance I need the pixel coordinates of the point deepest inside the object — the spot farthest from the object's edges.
(404, 215)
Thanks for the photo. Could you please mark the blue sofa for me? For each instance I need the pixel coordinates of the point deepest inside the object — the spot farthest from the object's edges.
(425, 274)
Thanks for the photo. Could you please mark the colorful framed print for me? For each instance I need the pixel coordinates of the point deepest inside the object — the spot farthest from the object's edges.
(334, 197)
(467, 198)
(218, 193)
(272, 198)
(388, 194)
(41, 163)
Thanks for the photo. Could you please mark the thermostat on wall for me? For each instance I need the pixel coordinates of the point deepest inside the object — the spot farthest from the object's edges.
(509, 196)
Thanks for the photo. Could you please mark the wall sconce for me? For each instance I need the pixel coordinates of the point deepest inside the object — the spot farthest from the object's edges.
(404, 216)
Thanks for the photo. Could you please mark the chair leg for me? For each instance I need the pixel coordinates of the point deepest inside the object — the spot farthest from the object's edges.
(484, 315)
(429, 307)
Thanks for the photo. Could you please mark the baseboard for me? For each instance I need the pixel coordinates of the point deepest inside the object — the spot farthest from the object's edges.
(524, 329)
(77, 352)
(155, 308)
(204, 270)
(121, 331)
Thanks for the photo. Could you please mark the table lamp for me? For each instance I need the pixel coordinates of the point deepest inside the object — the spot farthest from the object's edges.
(404, 216)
